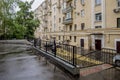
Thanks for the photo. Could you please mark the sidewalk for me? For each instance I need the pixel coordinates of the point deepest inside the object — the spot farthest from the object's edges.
(95, 69)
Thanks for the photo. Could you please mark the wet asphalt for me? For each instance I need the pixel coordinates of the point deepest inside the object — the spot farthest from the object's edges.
(18, 64)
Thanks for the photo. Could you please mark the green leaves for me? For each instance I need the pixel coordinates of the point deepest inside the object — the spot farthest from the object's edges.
(6, 9)
(18, 24)
(25, 17)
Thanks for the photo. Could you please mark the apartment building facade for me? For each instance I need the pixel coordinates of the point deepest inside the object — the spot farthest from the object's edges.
(91, 24)
(43, 13)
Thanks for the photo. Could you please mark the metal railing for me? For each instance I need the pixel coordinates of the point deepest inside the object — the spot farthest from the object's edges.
(68, 21)
(77, 56)
(64, 52)
(67, 9)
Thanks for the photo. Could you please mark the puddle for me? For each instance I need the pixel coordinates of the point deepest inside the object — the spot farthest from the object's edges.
(18, 64)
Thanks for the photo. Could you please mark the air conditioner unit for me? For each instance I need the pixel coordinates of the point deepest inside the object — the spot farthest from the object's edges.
(117, 10)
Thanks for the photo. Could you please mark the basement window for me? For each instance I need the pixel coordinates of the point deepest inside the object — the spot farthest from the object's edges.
(98, 26)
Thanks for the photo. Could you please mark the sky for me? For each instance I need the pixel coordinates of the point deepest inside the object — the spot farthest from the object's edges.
(35, 4)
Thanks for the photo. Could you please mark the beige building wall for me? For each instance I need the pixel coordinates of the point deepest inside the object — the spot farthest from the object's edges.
(84, 24)
(111, 18)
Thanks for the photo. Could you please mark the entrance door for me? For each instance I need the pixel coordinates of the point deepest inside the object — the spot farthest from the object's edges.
(118, 46)
(98, 44)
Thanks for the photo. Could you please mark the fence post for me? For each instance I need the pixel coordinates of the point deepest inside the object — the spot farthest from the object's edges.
(40, 43)
(54, 48)
(46, 46)
(35, 42)
(74, 58)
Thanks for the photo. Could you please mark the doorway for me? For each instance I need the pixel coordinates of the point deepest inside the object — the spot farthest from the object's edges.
(82, 43)
(98, 44)
(118, 46)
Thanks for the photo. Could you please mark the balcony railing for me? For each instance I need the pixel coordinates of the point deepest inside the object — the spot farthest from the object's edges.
(68, 9)
(68, 21)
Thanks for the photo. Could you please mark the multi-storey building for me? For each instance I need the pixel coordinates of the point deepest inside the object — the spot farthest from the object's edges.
(43, 13)
(92, 24)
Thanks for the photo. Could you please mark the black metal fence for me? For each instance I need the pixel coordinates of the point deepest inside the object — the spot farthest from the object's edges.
(61, 51)
(107, 55)
(104, 56)
(88, 60)
(77, 56)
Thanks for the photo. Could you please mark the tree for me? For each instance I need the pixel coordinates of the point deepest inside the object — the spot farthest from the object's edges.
(25, 17)
(18, 24)
(6, 16)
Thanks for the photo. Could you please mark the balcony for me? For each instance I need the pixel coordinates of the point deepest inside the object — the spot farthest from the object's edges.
(68, 21)
(68, 9)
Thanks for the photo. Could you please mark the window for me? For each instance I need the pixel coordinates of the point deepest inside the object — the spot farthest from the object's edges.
(68, 15)
(82, 2)
(74, 38)
(82, 26)
(118, 22)
(63, 38)
(75, 2)
(118, 2)
(82, 42)
(75, 28)
(98, 17)
(98, 26)
(70, 27)
(59, 20)
(59, 37)
(97, 2)
(70, 37)
(54, 9)
(82, 13)
(64, 5)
